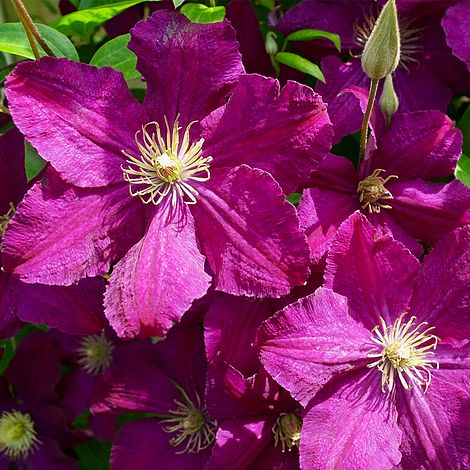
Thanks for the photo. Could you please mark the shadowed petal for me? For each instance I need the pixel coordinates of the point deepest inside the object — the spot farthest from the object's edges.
(61, 233)
(77, 116)
(311, 341)
(284, 132)
(250, 234)
(456, 24)
(189, 68)
(157, 280)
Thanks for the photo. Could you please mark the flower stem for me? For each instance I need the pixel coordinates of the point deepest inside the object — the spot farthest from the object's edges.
(365, 122)
(31, 31)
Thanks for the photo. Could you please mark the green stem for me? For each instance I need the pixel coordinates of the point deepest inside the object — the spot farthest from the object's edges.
(213, 3)
(31, 31)
(365, 122)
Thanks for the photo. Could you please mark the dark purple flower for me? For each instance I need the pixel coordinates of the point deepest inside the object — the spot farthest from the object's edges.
(203, 200)
(170, 384)
(456, 24)
(392, 185)
(34, 430)
(382, 360)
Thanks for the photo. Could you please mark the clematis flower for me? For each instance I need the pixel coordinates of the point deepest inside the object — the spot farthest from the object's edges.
(381, 365)
(170, 385)
(456, 25)
(392, 187)
(34, 430)
(149, 184)
(428, 71)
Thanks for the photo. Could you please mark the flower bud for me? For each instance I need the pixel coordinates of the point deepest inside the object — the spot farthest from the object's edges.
(389, 99)
(270, 44)
(381, 53)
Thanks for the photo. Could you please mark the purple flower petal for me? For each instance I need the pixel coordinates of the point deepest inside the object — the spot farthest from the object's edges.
(436, 426)
(375, 273)
(456, 24)
(429, 211)
(250, 234)
(145, 297)
(9, 322)
(419, 145)
(446, 274)
(284, 132)
(49, 456)
(189, 68)
(78, 117)
(61, 233)
(351, 425)
(311, 341)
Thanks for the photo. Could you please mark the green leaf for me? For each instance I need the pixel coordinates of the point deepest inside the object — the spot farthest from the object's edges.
(311, 34)
(294, 198)
(300, 64)
(462, 170)
(198, 13)
(177, 3)
(464, 126)
(33, 162)
(93, 454)
(13, 40)
(83, 22)
(116, 54)
(86, 4)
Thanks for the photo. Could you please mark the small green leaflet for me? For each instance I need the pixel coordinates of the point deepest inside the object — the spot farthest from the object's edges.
(177, 3)
(311, 34)
(462, 170)
(116, 54)
(294, 198)
(33, 162)
(300, 64)
(84, 22)
(198, 13)
(13, 40)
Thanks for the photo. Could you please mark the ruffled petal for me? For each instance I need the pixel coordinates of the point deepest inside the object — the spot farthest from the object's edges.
(77, 116)
(250, 234)
(190, 68)
(145, 297)
(311, 341)
(61, 233)
(376, 273)
(284, 132)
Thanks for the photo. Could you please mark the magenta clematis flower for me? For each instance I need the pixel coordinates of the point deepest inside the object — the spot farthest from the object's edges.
(34, 429)
(170, 384)
(381, 365)
(392, 186)
(148, 184)
(456, 24)
(428, 70)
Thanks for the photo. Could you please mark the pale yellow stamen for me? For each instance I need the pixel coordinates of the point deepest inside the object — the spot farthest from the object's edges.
(372, 190)
(405, 352)
(287, 431)
(18, 437)
(166, 166)
(95, 354)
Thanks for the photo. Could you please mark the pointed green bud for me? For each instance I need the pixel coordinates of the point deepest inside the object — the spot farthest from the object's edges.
(389, 99)
(381, 53)
(271, 44)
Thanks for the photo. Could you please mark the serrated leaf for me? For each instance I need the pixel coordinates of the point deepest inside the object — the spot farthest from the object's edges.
(83, 22)
(198, 13)
(117, 55)
(311, 34)
(34, 164)
(301, 64)
(13, 40)
(462, 170)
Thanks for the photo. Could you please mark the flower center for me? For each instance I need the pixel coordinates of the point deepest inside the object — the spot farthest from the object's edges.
(5, 219)
(166, 166)
(405, 351)
(287, 431)
(95, 354)
(17, 434)
(372, 189)
(409, 36)
(192, 425)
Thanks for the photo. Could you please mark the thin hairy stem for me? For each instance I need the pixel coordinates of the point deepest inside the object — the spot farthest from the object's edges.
(365, 122)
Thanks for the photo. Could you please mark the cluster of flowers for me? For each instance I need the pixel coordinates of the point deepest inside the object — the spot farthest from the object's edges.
(180, 285)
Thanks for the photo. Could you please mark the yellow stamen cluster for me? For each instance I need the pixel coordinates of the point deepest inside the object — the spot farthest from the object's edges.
(95, 354)
(18, 438)
(405, 351)
(287, 431)
(372, 189)
(166, 166)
